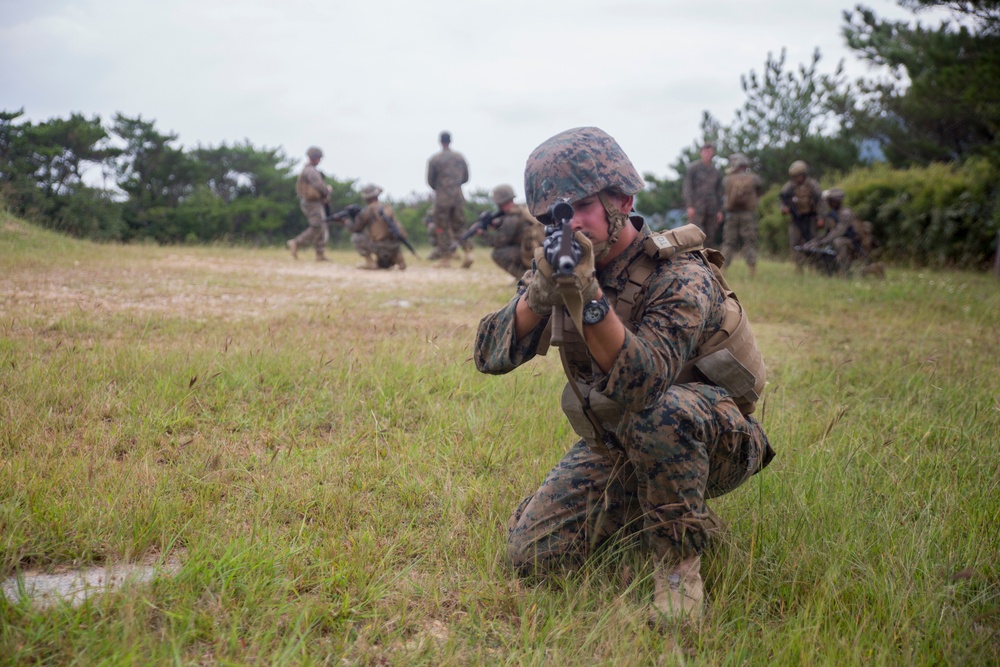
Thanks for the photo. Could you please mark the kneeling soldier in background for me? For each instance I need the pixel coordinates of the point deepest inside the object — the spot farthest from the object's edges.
(372, 233)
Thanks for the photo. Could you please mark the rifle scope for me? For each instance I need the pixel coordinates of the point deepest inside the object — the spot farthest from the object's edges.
(561, 211)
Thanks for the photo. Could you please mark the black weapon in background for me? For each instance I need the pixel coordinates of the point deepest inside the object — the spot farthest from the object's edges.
(824, 257)
(788, 200)
(482, 223)
(346, 212)
(395, 230)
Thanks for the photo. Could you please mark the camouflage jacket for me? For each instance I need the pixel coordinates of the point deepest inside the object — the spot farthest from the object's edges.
(841, 222)
(804, 197)
(683, 307)
(446, 172)
(703, 187)
(373, 222)
(310, 184)
(511, 227)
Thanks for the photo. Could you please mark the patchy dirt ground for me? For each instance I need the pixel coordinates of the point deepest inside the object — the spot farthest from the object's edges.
(236, 283)
(73, 586)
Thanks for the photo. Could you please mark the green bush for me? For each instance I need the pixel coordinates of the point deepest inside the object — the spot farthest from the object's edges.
(942, 215)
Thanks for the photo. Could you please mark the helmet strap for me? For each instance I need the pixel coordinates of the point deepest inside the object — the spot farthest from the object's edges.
(616, 222)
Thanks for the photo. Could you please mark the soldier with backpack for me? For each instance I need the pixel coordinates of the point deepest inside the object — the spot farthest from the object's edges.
(741, 189)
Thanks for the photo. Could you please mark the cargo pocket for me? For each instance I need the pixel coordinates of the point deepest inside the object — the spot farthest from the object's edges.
(737, 454)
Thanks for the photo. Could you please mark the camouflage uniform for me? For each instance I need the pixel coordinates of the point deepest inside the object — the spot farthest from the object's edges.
(741, 192)
(514, 240)
(852, 240)
(703, 192)
(370, 235)
(680, 443)
(313, 193)
(802, 199)
(447, 171)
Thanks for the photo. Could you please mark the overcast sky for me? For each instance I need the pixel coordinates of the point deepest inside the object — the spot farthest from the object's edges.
(373, 82)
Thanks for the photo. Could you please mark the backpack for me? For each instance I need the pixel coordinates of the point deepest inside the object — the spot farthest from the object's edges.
(741, 194)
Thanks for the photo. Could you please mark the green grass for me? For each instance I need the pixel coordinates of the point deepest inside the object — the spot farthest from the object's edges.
(315, 446)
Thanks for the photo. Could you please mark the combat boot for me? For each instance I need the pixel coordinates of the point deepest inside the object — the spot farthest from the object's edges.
(400, 262)
(678, 591)
(467, 262)
(444, 262)
(369, 264)
(294, 247)
(321, 256)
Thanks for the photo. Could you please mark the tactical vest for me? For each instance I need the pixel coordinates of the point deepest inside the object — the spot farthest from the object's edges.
(803, 198)
(729, 358)
(306, 190)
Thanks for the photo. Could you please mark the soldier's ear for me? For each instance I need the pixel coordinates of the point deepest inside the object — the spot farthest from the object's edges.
(626, 203)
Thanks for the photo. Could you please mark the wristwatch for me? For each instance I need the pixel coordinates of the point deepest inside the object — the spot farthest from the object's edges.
(596, 310)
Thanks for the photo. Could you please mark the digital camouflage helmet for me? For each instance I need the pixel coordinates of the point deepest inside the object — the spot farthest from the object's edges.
(738, 161)
(371, 191)
(834, 195)
(502, 194)
(798, 168)
(575, 164)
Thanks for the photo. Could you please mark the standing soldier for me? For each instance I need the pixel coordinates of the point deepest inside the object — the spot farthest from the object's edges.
(703, 195)
(375, 233)
(641, 323)
(800, 199)
(314, 193)
(515, 235)
(741, 190)
(447, 171)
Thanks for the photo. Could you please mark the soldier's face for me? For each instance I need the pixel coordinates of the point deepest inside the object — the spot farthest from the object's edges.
(590, 217)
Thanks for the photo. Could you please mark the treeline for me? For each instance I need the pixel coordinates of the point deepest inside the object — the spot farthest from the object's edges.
(141, 186)
(929, 118)
(934, 100)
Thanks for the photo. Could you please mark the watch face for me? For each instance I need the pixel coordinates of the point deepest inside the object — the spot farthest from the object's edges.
(594, 312)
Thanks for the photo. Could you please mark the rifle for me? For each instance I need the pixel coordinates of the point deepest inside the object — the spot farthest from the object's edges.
(788, 200)
(394, 229)
(825, 257)
(562, 251)
(347, 212)
(482, 223)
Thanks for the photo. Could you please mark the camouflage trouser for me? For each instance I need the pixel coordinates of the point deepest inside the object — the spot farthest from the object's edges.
(692, 445)
(508, 258)
(316, 233)
(740, 233)
(450, 222)
(846, 254)
(387, 253)
(799, 234)
(707, 220)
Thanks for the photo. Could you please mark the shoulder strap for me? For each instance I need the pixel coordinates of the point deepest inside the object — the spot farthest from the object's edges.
(658, 247)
